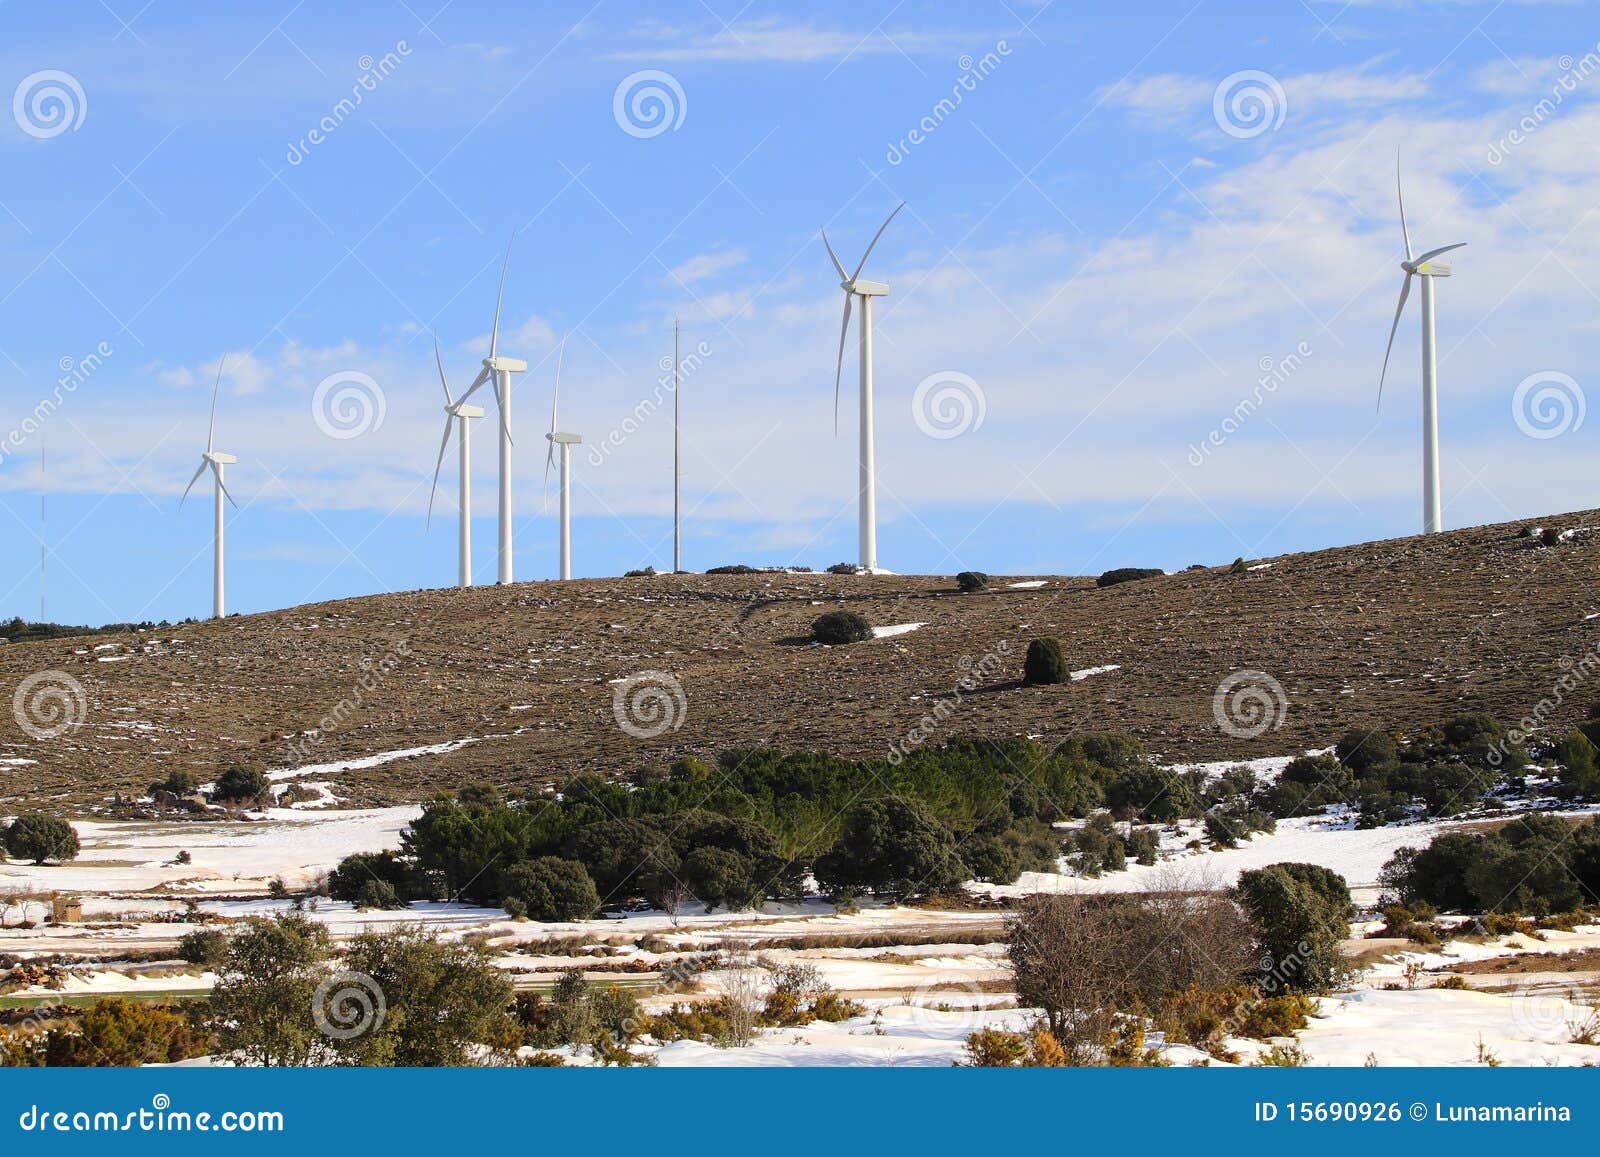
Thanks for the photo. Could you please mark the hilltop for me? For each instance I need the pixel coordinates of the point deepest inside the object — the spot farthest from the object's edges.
(517, 684)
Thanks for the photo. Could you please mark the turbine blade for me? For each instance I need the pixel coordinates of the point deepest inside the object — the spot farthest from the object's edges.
(217, 470)
(555, 395)
(1401, 197)
(1405, 291)
(483, 376)
(844, 329)
(212, 432)
(832, 256)
(193, 480)
(437, 466)
(494, 334)
(875, 237)
(448, 400)
(1432, 253)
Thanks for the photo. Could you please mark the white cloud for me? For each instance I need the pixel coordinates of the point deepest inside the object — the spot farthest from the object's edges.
(704, 265)
(772, 39)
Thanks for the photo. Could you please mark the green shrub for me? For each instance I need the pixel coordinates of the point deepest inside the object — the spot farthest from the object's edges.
(733, 568)
(349, 880)
(1043, 663)
(892, 847)
(378, 894)
(1153, 794)
(1125, 574)
(1302, 912)
(179, 781)
(1363, 749)
(115, 1031)
(39, 837)
(1578, 772)
(207, 947)
(552, 889)
(839, 627)
(241, 783)
(972, 580)
(844, 568)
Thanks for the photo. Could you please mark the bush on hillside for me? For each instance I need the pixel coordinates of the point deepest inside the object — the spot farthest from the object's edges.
(891, 847)
(844, 568)
(1043, 664)
(39, 837)
(356, 871)
(972, 580)
(241, 783)
(551, 889)
(1124, 574)
(839, 627)
(1302, 912)
(733, 568)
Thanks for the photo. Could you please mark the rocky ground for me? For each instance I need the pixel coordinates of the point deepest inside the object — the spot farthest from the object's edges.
(1403, 632)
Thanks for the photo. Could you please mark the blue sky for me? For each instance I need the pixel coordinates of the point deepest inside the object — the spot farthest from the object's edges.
(1103, 255)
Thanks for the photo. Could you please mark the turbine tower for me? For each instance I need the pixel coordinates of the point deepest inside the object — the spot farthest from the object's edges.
(498, 370)
(1426, 268)
(854, 286)
(566, 441)
(677, 472)
(216, 460)
(457, 411)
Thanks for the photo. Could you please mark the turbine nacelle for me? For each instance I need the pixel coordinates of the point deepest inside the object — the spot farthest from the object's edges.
(560, 439)
(219, 458)
(509, 365)
(865, 288)
(1426, 268)
(462, 410)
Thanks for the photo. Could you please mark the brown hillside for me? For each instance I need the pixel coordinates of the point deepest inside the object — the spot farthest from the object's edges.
(1403, 632)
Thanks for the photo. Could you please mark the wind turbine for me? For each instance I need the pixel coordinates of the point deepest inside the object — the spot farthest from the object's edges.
(455, 411)
(498, 370)
(216, 460)
(1426, 268)
(566, 441)
(854, 286)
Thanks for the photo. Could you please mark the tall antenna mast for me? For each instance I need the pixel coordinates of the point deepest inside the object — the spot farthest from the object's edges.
(677, 542)
(43, 541)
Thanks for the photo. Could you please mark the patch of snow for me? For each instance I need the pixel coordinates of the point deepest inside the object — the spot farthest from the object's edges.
(1031, 584)
(1101, 670)
(1260, 566)
(897, 629)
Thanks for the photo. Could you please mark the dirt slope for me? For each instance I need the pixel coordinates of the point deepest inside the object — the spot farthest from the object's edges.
(1406, 632)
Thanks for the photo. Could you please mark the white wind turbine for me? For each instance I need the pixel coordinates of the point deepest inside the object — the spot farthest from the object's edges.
(566, 441)
(498, 370)
(457, 411)
(1426, 268)
(216, 460)
(854, 286)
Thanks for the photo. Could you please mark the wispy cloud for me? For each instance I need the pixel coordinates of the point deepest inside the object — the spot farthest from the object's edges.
(704, 265)
(774, 40)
